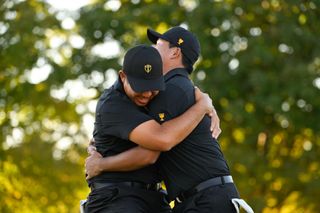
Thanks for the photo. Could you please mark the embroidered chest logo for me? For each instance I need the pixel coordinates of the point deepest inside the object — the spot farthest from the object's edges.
(147, 68)
(161, 116)
(180, 41)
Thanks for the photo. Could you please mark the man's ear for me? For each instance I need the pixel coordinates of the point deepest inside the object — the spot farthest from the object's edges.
(176, 52)
(122, 76)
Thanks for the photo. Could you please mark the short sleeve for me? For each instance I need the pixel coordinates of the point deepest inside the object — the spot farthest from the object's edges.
(169, 104)
(119, 116)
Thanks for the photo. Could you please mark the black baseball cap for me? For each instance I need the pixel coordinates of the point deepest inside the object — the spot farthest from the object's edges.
(143, 66)
(179, 37)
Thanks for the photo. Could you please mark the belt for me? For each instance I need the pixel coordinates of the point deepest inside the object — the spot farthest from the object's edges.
(203, 185)
(139, 185)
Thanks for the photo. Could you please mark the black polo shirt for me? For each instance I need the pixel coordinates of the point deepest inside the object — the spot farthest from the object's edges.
(116, 116)
(199, 156)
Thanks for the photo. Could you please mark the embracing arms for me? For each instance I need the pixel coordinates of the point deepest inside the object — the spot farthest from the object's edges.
(151, 136)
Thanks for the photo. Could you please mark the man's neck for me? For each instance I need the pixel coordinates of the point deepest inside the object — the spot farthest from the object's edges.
(167, 69)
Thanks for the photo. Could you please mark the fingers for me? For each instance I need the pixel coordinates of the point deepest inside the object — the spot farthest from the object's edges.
(92, 164)
(197, 89)
(216, 132)
(91, 149)
(87, 170)
(96, 154)
(211, 111)
(215, 124)
(197, 93)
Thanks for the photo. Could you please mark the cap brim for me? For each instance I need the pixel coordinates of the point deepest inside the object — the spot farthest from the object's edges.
(143, 85)
(153, 36)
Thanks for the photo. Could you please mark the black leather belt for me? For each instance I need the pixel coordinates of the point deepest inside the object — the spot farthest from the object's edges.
(152, 187)
(203, 185)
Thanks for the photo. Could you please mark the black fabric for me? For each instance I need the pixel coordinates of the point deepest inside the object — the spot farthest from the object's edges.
(204, 185)
(216, 199)
(132, 184)
(122, 199)
(116, 117)
(116, 114)
(199, 156)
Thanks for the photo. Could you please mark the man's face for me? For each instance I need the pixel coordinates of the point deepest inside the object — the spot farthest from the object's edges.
(163, 47)
(139, 98)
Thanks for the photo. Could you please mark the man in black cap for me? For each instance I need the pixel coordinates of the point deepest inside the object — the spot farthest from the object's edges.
(122, 122)
(195, 172)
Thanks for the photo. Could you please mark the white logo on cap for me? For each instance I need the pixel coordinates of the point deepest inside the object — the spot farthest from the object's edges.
(147, 68)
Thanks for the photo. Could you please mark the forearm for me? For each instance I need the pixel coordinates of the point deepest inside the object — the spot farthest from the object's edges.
(129, 160)
(179, 128)
(154, 136)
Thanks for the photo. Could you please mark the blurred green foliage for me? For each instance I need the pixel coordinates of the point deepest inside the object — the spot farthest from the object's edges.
(260, 62)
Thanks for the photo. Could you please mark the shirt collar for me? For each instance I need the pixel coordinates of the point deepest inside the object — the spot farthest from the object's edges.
(176, 71)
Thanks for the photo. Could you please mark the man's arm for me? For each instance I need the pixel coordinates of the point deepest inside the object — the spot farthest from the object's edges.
(132, 159)
(155, 136)
(139, 157)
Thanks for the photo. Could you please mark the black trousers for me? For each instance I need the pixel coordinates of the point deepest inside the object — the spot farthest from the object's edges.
(125, 199)
(215, 199)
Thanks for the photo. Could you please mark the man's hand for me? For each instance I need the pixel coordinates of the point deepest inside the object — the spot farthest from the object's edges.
(215, 124)
(92, 164)
(92, 146)
(207, 102)
(204, 99)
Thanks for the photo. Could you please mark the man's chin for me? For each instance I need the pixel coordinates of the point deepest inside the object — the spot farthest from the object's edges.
(141, 104)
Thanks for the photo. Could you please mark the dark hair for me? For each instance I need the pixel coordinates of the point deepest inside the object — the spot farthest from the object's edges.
(185, 61)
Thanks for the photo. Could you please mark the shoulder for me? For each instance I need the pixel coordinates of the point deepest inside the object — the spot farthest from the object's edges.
(178, 79)
(180, 82)
(113, 100)
(179, 86)
(175, 99)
